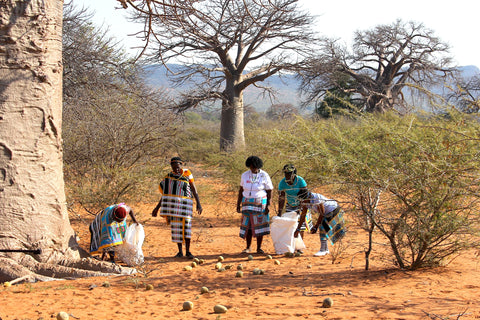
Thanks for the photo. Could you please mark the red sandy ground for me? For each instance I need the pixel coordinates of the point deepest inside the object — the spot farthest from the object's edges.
(294, 289)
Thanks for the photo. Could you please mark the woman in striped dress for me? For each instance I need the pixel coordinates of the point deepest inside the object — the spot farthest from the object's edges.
(176, 204)
(253, 202)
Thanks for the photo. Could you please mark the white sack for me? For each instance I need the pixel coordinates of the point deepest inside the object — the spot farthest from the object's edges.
(299, 244)
(282, 230)
(130, 251)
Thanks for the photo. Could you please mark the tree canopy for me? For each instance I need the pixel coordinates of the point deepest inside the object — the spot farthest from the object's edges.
(225, 46)
(382, 62)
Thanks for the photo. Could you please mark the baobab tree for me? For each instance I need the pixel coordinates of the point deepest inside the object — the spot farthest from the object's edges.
(33, 214)
(224, 46)
(382, 62)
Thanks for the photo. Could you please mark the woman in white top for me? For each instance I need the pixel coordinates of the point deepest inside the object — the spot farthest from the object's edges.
(330, 218)
(253, 202)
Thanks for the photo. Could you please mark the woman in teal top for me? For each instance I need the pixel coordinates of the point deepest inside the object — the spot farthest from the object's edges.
(289, 188)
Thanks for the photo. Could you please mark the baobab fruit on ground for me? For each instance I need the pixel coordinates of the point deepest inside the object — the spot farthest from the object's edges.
(187, 305)
(220, 309)
(62, 316)
(327, 303)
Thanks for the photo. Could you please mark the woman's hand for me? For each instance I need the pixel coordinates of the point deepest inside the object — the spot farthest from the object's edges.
(295, 234)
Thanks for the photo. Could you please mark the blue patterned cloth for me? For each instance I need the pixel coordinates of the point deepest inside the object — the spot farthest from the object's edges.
(105, 231)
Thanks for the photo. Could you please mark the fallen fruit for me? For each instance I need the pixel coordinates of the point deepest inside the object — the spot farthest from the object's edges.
(220, 309)
(106, 284)
(7, 284)
(204, 290)
(187, 268)
(239, 274)
(220, 258)
(250, 257)
(218, 265)
(269, 257)
(196, 260)
(327, 302)
(194, 264)
(62, 316)
(240, 267)
(256, 271)
(277, 262)
(148, 287)
(187, 305)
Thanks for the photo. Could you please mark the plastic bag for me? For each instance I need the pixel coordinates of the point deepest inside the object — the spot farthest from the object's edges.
(282, 230)
(130, 251)
(299, 244)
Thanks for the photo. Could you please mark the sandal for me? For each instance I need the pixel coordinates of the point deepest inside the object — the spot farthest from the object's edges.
(260, 251)
(189, 255)
(179, 255)
(246, 250)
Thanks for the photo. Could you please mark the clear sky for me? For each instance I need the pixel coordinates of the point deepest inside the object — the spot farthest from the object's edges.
(455, 22)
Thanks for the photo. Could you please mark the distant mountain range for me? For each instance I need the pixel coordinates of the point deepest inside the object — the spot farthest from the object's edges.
(286, 86)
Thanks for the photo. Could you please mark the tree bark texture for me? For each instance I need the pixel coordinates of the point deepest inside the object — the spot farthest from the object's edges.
(33, 211)
(232, 125)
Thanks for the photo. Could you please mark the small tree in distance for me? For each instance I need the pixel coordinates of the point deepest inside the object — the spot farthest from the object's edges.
(281, 111)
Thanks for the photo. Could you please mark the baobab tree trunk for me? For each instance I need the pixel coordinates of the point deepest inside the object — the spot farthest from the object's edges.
(232, 136)
(33, 213)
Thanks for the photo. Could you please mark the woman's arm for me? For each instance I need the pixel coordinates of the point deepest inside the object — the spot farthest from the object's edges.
(321, 210)
(301, 220)
(155, 210)
(197, 198)
(132, 215)
(239, 199)
(281, 202)
(269, 197)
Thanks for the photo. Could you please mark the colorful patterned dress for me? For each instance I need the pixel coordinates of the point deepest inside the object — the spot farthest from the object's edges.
(105, 231)
(177, 204)
(254, 202)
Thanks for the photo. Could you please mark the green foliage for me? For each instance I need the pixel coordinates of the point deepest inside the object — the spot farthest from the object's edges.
(414, 179)
(425, 172)
(338, 101)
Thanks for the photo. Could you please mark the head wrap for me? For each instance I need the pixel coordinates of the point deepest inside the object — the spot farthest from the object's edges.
(120, 212)
(289, 168)
(176, 159)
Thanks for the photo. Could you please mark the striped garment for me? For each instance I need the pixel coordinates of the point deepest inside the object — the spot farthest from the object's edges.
(105, 231)
(177, 204)
(253, 217)
(333, 226)
(181, 229)
(308, 223)
(176, 195)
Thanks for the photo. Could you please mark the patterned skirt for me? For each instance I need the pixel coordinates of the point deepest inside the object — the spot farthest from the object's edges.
(333, 226)
(253, 217)
(181, 229)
